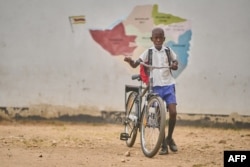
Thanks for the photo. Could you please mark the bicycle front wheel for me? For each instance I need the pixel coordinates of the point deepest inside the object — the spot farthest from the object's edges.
(131, 116)
(153, 126)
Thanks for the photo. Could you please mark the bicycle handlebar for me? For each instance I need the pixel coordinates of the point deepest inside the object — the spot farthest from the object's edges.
(137, 76)
(153, 67)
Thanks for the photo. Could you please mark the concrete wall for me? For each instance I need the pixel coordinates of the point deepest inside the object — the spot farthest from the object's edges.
(43, 62)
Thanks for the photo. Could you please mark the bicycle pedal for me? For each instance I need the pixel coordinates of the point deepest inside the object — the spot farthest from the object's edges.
(124, 136)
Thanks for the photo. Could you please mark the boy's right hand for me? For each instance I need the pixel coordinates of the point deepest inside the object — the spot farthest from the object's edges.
(127, 59)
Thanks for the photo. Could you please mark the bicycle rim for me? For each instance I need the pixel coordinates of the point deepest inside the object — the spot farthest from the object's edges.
(153, 126)
(130, 125)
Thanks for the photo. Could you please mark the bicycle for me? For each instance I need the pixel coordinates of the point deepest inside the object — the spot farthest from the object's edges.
(149, 119)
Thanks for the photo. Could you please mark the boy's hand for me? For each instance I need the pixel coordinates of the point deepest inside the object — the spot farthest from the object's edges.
(127, 59)
(174, 65)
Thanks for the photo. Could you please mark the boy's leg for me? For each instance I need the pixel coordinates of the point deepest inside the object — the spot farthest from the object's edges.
(171, 126)
(168, 141)
(164, 148)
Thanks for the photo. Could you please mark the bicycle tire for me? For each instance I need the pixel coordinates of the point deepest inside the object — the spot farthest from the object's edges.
(131, 128)
(152, 126)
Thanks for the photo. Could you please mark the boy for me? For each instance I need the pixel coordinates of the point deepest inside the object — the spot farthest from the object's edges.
(163, 81)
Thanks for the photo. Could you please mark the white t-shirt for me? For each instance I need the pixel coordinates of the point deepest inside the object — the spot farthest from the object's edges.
(163, 76)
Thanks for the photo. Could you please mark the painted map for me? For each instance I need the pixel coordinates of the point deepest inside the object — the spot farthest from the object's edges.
(131, 36)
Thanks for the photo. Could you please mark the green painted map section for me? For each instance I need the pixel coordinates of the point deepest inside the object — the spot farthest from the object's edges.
(165, 19)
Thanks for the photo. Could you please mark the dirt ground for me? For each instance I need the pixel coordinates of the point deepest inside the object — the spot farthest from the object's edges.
(60, 144)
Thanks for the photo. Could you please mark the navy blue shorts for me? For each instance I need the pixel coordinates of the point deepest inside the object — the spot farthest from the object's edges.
(167, 93)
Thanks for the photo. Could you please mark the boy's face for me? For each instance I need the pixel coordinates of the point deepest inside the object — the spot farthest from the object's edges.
(158, 39)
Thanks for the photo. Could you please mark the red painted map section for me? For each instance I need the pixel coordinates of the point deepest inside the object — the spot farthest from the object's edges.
(115, 41)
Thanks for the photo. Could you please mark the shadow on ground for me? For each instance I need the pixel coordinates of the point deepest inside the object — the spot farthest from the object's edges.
(233, 120)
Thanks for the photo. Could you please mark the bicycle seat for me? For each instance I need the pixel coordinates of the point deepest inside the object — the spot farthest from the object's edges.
(136, 76)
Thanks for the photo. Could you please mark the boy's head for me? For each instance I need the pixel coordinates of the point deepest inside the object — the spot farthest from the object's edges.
(158, 37)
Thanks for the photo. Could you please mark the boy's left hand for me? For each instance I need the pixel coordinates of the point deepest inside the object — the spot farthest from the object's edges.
(174, 65)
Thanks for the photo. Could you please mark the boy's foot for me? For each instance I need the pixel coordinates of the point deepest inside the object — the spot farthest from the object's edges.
(163, 151)
(172, 145)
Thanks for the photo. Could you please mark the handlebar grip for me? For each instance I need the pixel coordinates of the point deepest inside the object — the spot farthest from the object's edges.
(137, 76)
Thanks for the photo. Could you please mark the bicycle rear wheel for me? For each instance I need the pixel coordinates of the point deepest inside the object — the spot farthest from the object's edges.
(131, 118)
(153, 126)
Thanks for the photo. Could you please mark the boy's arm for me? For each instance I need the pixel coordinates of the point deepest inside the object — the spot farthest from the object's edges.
(131, 62)
(174, 64)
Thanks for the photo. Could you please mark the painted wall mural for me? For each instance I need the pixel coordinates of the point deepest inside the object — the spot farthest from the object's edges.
(124, 36)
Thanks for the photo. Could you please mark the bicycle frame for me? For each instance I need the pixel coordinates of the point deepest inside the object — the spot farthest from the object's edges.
(141, 91)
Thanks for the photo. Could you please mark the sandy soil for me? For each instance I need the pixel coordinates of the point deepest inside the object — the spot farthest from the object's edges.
(57, 144)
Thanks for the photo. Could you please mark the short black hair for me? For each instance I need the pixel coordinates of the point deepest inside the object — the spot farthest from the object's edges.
(157, 29)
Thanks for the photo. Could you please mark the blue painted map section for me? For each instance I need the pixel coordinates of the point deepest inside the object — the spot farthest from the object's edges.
(181, 49)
